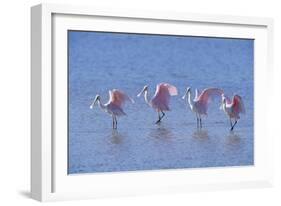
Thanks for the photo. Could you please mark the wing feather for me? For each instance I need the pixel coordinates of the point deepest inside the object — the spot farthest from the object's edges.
(118, 97)
(162, 96)
(238, 105)
(166, 88)
(209, 93)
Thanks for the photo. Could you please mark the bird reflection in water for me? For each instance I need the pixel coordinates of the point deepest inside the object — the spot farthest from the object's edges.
(116, 137)
(233, 139)
(161, 132)
(201, 134)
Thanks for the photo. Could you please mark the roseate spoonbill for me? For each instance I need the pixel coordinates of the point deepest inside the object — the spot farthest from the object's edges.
(199, 105)
(160, 100)
(113, 107)
(233, 108)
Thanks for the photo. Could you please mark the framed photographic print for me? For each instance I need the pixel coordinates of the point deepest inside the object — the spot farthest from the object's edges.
(135, 102)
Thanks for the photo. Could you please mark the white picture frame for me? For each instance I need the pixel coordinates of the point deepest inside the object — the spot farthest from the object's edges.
(49, 179)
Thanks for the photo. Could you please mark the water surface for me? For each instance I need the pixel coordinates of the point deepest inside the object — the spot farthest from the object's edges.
(100, 61)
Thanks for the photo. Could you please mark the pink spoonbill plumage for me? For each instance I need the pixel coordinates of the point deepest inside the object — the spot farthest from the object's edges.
(161, 99)
(199, 105)
(114, 106)
(233, 108)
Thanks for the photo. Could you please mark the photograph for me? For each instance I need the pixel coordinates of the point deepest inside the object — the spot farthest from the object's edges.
(143, 102)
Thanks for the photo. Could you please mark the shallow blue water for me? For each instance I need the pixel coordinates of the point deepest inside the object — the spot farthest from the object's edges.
(100, 61)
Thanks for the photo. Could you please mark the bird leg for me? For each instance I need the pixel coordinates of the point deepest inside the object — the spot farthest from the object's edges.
(230, 122)
(233, 125)
(197, 121)
(160, 117)
(115, 122)
(163, 114)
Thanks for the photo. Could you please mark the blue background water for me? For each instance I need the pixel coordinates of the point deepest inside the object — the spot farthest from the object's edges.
(101, 61)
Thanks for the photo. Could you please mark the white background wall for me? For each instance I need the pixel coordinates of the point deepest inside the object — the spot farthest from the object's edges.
(15, 95)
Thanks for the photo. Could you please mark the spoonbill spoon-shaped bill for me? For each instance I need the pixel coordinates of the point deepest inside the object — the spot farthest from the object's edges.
(233, 108)
(199, 104)
(114, 106)
(161, 99)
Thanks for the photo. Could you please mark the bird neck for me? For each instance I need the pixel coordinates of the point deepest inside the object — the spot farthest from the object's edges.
(146, 97)
(224, 106)
(189, 99)
(101, 105)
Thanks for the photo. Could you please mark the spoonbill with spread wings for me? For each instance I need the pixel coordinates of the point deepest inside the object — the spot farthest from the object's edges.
(199, 105)
(114, 106)
(233, 108)
(161, 99)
